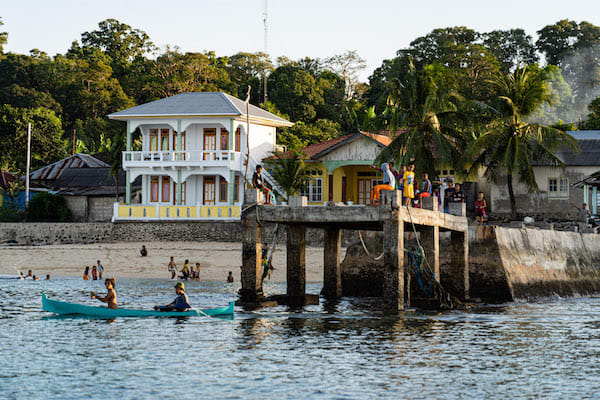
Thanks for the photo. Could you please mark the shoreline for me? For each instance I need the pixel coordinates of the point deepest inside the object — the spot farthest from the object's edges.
(122, 259)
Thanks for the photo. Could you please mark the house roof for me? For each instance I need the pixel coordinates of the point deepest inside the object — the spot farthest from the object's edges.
(198, 104)
(53, 171)
(6, 178)
(592, 180)
(91, 182)
(318, 150)
(589, 149)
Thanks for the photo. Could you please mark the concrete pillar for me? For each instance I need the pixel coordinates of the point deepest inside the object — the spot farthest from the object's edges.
(458, 209)
(430, 240)
(459, 263)
(296, 263)
(430, 237)
(332, 275)
(393, 248)
(251, 249)
(298, 201)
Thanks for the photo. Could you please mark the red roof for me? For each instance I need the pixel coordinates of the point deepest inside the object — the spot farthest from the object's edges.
(6, 178)
(318, 148)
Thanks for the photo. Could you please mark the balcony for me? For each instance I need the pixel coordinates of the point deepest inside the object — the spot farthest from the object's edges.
(194, 158)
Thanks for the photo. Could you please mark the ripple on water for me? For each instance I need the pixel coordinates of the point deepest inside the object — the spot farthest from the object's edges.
(546, 349)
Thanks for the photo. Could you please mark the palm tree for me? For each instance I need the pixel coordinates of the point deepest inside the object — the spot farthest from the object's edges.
(510, 144)
(117, 147)
(424, 107)
(288, 171)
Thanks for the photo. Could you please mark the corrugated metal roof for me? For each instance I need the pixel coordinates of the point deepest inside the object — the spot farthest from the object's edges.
(583, 135)
(197, 104)
(53, 171)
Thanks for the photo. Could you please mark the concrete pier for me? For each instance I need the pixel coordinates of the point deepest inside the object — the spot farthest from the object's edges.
(390, 216)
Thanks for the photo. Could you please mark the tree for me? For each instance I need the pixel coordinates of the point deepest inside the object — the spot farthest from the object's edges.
(48, 207)
(593, 121)
(510, 145)
(47, 145)
(347, 66)
(295, 92)
(3, 37)
(422, 104)
(302, 134)
(575, 48)
(249, 69)
(119, 41)
(288, 171)
(511, 48)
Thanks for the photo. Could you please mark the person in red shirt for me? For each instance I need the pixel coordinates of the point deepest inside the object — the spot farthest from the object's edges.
(480, 206)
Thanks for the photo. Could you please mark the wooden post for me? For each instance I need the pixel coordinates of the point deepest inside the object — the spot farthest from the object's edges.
(459, 268)
(332, 275)
(251, 249)
(393, 248)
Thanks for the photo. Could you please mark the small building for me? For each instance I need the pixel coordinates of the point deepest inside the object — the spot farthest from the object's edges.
(555, 194)
(192, 161)
(591, 188)
(340, 168)
(85, 183)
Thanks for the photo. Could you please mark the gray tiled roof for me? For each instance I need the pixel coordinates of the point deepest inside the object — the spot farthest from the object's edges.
(197, 103)
(589, 146)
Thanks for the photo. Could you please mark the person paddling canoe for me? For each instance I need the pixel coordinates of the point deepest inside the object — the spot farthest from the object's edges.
(111, 296)
(181, 302)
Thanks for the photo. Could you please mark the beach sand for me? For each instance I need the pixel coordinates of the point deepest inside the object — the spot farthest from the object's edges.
(124, 260)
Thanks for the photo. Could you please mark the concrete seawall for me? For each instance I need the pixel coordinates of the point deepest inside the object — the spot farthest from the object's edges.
(525, 263)
(504, 264)
(42, 233)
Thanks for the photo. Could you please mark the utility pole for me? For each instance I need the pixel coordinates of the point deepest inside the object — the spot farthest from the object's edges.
(28, 164)
(265, 16)
(74, 133)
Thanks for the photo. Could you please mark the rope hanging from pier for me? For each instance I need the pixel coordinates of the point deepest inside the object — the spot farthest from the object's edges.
(367, 251)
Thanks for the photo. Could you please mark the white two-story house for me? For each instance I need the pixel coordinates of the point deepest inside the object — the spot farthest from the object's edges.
(193, 158)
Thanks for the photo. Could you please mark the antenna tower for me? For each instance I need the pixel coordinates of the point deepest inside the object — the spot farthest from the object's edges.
(265, 16)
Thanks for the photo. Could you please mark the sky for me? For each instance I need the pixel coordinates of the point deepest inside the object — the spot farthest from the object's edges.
(297, 28)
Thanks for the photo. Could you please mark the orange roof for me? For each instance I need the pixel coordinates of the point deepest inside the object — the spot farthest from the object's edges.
(317, 149)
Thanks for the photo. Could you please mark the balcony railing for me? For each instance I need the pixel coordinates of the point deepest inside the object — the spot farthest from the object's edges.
(227, 158)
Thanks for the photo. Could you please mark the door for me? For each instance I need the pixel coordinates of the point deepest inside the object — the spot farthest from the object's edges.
(208, 195)
(364, 191)
(210, 144)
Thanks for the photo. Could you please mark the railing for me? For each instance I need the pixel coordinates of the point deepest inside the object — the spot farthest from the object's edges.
(123, 212)
(147, 157)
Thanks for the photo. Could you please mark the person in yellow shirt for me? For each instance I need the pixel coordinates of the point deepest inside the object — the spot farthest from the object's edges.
(409, 180)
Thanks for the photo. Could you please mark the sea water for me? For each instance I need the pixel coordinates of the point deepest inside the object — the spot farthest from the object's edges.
(548, 349)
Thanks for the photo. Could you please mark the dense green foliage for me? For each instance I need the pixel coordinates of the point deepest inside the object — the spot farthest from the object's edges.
(288, 170)
(48, 207)
(441, 93)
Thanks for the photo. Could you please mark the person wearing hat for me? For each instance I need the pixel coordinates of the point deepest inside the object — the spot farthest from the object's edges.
(181, 302)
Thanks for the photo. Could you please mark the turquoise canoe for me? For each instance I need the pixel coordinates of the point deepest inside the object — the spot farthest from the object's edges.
(64, 308)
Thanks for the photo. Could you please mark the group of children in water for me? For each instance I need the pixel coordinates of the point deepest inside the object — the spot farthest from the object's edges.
(97, 271)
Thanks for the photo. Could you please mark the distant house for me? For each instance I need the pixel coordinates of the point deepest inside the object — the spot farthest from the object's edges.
(556, 193)
(193, 157)
(591, 191)
(86, 185)
(340, 168)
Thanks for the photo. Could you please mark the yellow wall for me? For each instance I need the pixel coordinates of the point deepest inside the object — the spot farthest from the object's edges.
(351, 174)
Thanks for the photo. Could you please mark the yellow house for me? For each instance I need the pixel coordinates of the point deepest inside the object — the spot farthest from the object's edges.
(340, 168)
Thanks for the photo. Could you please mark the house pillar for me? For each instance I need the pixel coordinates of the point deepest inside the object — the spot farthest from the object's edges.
(179, 148)
(594, 207)
(231, 186)
(127, 172)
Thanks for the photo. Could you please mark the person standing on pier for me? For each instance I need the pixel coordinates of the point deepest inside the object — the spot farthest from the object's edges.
(409, 180)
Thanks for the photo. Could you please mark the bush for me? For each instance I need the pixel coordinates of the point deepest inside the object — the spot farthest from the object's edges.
(10, 214)
(48, 207)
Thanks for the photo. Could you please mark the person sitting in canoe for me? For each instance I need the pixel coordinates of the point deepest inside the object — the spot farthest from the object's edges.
(111, 296)
(181, 302)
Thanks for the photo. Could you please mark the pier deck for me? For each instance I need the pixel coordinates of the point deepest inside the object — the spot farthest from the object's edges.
(390, 217)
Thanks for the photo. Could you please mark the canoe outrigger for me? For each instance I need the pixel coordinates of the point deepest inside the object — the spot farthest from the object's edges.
(64, 308)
